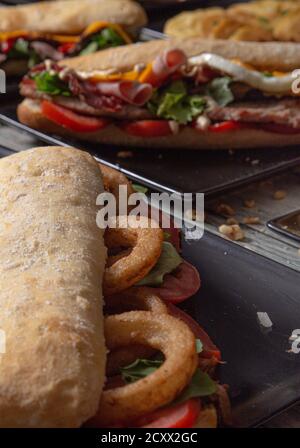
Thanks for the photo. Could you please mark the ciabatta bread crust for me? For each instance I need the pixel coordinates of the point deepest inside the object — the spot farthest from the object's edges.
(71, 16)
(29, 113)
(265, 55)
(52, 259)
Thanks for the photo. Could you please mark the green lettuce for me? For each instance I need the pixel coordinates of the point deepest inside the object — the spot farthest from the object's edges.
(22, 50)
(219, 90)
(51, 84)
(167, 263)
(139, 188)
(201, 385)
(107, 38)
(174, 103)
(139, 369)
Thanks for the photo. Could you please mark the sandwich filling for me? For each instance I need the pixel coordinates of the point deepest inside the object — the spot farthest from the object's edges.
(206, 92)
(33, 47)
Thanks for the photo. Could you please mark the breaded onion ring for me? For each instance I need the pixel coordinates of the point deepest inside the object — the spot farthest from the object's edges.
(138, 298)
(164, 333)
(124, 356)
(113, 179)
(133, 299)
(145, 243)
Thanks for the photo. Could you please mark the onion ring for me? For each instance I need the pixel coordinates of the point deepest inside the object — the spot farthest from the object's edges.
(164, 333)
(135, 299)
(146, 245)
(112, 179)
(124, 356)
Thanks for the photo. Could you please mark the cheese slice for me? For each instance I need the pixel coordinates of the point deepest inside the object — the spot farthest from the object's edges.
(91, 29)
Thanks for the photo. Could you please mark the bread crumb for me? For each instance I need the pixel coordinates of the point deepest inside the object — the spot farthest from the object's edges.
(231, 221)
(233, 232)
(225, 209)
(251, 220)
(249, 203)
(125, 154)
(279, 194)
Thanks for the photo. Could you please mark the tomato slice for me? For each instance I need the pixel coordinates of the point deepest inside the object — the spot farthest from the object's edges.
(209, 348)
(7, 45)
(183, 415)
(66, 47)
(183, 283)
(227, 126)
(279, 128)
(71, 120)
(148, 128)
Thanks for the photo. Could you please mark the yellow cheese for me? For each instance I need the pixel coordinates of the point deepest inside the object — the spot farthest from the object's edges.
(98, 26)
(93, 28)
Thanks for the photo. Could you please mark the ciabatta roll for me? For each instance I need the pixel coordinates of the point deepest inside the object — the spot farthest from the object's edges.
(52, 258)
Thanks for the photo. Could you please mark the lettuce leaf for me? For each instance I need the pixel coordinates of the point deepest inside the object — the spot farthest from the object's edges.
(51, 84)
(107, 38)
(219, 90)
(201, 385)
(139, 188)
(167, 263)
(174, 103)
(139, 369)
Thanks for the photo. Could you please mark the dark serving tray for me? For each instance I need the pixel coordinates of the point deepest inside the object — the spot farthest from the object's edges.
(208, 172)
(236, 284)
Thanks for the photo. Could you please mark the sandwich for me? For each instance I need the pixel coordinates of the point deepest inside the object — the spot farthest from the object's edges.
(68, 361)
(258, 21)
(31, 33)
(191, 94)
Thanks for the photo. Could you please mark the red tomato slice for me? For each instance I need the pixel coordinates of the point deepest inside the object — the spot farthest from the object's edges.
(183, 415)
(71, 120)
(279, 128)
(7, 45)
(148, 128)
(180, 285)
(209, 348)
(66, 47)
(227, 126)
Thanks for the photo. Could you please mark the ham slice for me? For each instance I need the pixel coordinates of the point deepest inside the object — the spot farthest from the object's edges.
(44, 51)
(167, 63)
(131, 92)
(163, 66)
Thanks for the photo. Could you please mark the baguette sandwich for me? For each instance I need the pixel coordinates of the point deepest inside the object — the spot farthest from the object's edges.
(32, 33)
(147, 363)
(192, 94)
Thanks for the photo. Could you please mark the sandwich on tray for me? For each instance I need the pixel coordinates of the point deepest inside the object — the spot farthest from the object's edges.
(32, 33)
(66, 361)
(192, 94)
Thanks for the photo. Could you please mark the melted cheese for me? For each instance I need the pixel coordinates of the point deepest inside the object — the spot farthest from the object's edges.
(91, 29)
